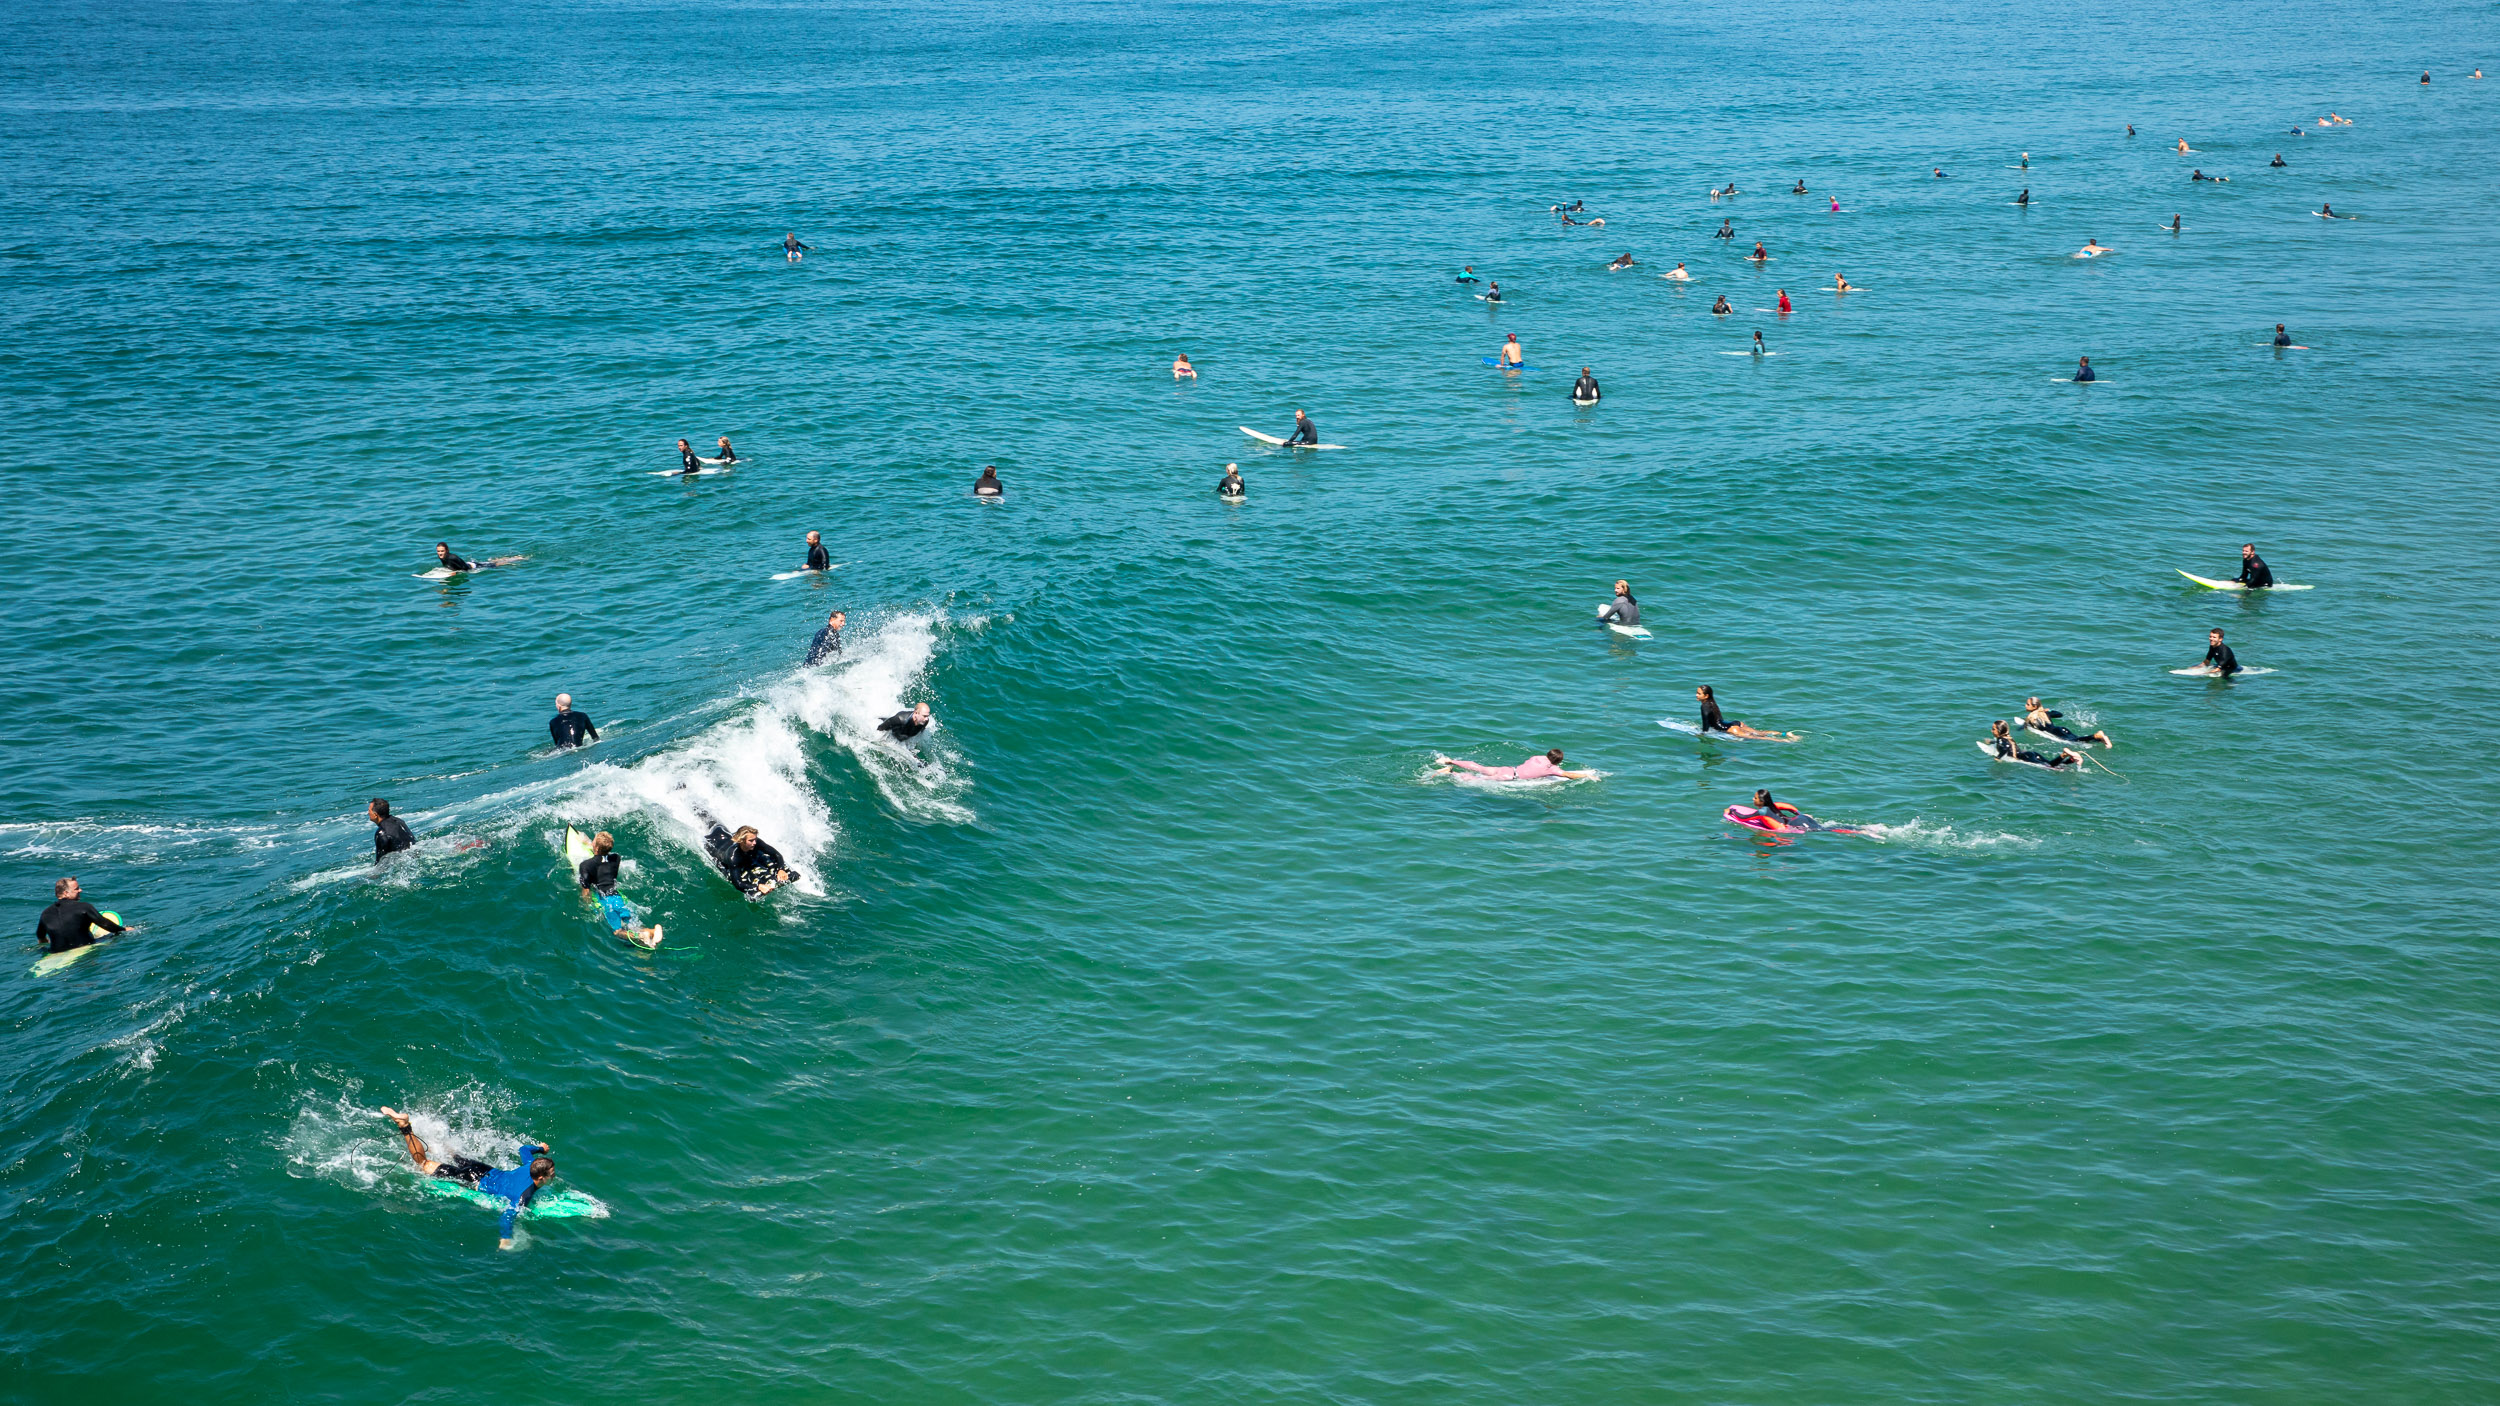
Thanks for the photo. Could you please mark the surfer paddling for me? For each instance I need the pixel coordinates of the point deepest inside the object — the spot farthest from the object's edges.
(597, 876)
(1182, 370)
(516, 1187)
(1712, 721)
(1544, 768)
(2044, 721)
(2001, 742)
(570, 727)
(1622, 261)
(903, 727)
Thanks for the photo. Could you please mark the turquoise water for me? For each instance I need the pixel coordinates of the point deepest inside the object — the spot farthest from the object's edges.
(1171, 1035)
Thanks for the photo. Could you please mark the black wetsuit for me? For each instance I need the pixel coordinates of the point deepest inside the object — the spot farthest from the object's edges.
(2023, 199)
(2276, 161)
(598, 873)
(2084, 373)
(1585, 388)
(2255, 574)
(458, 562)
(817, 560)
(2007, 751)
(693, 464)
(1710, 719)
(728, 455)
(390, 836)
(570, 727)
(1304, 433)
(828, 644)
(988, 486)
(748, 869)
(1229, 486)
(1726, 231)
(902, 726)
(64, 925)
(2282, 339)
(2057, 730)
(2222, 659)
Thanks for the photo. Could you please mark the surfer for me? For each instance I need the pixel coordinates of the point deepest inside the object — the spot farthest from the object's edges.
(598, 880)
(1758, 348)
(1623, 610)
(568, 726)
(1533, 769)
(1230, 486)
(71, 920)
(2281, 337)
(516, 1187)
(1727, 230)
(2327, 210)
(903, 727)
(2001, 742)
(817, 560)
(2174, 224)
(1835, 204)
(2184, 148)
(390, 833)
(685, 451)
(452, 561)
(2218, 656)
(1511, 355)
(1584, 390)
(1800, 188)
(1468, 274)
(1182, 370)
(753, 866)
(1720, 308)
(2026, 161)
(1775, 811)
(828, 640)
(2040, 719)
(1940, 173)
(1678, 274)
(1711, 721)
(2277, 161)
(792, 249)
(987, 485)
(1759, 255)
(1622, 261)
(1493, 291)
(2254, 573)
(2083, 369)
(1783, 302)
(2024, 198)
(727, 454)
(2093, 248)
(1842, 285)
(1304, 432)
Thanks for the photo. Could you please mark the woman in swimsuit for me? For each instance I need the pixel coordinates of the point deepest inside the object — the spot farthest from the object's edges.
(1712, 722)
(1842, 285)
(1533, 769)
(1182, 370)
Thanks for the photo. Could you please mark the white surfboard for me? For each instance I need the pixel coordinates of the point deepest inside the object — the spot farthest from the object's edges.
(2207, 671)
(2213, 585)
(1271, 439)
(1694, 730)
(1232, 497)
(1984, 745)
(804, 571)
(698, 473)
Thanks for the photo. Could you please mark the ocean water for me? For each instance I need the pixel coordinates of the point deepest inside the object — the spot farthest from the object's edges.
(1164, 1031)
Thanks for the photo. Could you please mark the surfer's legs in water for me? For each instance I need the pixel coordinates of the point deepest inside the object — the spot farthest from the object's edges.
(464, 1170)
(1498, 773)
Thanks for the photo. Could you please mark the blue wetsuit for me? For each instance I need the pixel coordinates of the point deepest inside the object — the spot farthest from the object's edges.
(512, 1185)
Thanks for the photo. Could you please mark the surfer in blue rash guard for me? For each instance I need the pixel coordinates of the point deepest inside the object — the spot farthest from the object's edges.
(570, 727)
(1304, 432)
(516, 1187)
(2254, 573)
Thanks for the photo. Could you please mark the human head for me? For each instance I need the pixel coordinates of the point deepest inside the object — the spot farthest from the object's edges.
(682, 444)
(2083, 361)
(602, 842)
(2031, 702)
(746, 837)
(920, 712)
(564, 702)
(64, 888)
(1513, 337)
(1554, 755)
(1584, 371)
(835, 619)
(379, 809)
(1999, 728)
(1704, 692)
(442, 549)
(2214, 634)
(724, 441)
(541, 1170)
(2248, 549)
(813, 538)
(1623, 588)
(989, 471)
(1299, 415)
(1762, 800)
(1232, 468)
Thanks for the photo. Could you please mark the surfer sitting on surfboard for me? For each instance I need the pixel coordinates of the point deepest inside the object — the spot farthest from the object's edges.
(817, 558)
(1511, 354)
(2001, 741)
(1304, 432)
(1182, 370)
(516, 1187)
(2083, 369)
(71, 920)
(1623, 610)
(2218, 656)
(2254, 573)
(570, 726)
(390, 833)
(2040, 719)
(1584, 390)
(685, 451)
(1229, 486)
(1533, 769)
(987, 485)
(1711, 721)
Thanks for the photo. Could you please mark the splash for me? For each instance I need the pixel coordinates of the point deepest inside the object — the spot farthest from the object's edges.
(1944, 836)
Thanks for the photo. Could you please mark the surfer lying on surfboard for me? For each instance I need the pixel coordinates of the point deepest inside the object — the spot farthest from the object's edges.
(1712, 722)
(597, 876)
(2045, 722)
(1541, 768)
(1779, 818)
(516, 1187)
(450, 560)
(2001, 742)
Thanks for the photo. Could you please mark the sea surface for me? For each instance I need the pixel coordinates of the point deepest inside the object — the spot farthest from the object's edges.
(1163, 1030)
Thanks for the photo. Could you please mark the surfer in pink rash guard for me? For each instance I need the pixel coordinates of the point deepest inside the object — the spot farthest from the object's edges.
(1533, 769)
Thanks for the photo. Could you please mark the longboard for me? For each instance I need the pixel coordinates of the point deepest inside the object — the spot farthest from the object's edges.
(51, 962)
(804, 571)
(1988, 747)
(546, 1205)
(2212, 585)
(1271, 439)
(577, 849)
(1694, 730)
(2207, 671)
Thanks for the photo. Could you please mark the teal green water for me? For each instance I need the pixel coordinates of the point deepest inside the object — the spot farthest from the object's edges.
(1171, 1034)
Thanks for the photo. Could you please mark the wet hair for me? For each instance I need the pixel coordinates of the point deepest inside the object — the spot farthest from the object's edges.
(602, 842)
(61, 887)
(381, 806)
(2000, 728)
(1706, 693)
(1762, 799)
(442, 546)
(542, 1168)
(1554, 756)
(746, 832)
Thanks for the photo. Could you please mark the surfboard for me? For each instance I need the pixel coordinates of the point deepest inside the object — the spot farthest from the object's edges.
(2079, 743)
(1233, 497)
(1592, 400)
(804, 571)
(698, 473)
(1496, 361)
(1271, 439)
(2212, 585)
(546, 1205)
(1988, 747)
(2206, 671)
(577, 849)
(51, 962)
(1630, 632)
(1489, 298)
(1693, 730)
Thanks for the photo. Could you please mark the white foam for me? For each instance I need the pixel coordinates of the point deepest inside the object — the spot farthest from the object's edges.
(1944, 836)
